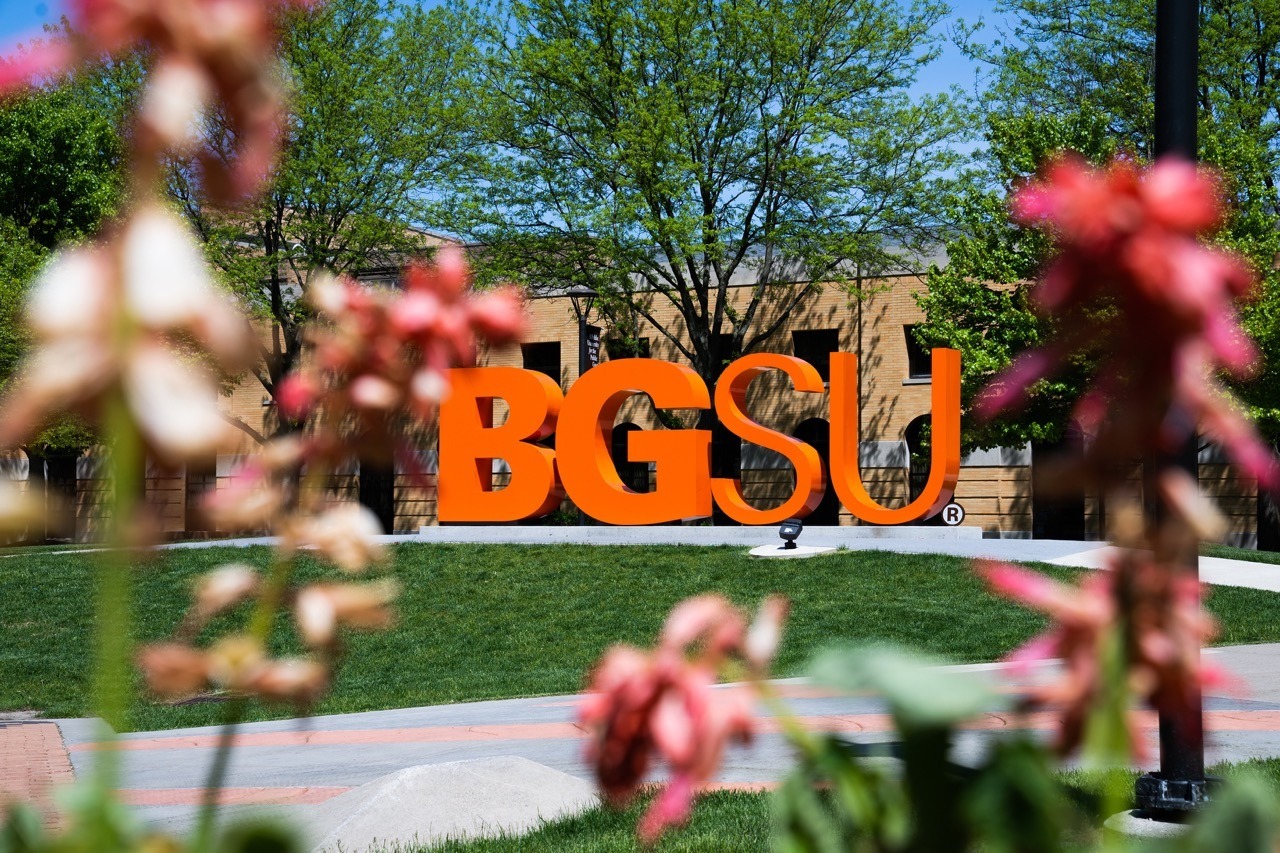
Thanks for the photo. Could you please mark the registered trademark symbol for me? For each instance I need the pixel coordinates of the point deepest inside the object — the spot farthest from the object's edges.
(952, 514)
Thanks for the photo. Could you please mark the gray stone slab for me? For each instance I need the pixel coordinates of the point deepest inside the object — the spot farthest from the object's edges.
(466, 799)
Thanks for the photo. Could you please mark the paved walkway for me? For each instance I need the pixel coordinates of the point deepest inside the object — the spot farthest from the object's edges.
(33, 762)
(298, 765)
(295, 766)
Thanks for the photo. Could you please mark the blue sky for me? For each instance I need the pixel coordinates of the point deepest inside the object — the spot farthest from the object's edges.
(22, 19)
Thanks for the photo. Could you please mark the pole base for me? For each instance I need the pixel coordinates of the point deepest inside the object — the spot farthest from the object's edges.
(1161, 798)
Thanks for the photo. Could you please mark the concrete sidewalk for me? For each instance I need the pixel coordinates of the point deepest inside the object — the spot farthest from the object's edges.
(953, 541)
(296, 766)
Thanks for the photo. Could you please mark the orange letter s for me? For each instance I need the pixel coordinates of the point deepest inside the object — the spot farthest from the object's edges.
(731, 397)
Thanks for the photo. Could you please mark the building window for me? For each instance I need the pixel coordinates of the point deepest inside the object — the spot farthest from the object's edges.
(815, 346)
(619, 347)
(919, 359)
(723, 354)
(543, 358)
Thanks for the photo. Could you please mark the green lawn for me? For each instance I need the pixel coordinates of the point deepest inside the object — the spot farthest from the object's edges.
(482, 622)
(733, 822)
(1229, 552)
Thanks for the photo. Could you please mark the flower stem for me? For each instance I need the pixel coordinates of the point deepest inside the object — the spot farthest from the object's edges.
(112, 676)
(217, 775)
(260, 626)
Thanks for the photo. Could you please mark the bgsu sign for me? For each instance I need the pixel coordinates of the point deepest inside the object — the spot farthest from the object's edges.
(583, 423)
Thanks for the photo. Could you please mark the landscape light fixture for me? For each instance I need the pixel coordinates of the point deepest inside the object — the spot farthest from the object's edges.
(583, 298)
(790, 532)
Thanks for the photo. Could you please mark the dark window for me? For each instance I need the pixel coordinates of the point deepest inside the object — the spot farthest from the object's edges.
(620, 347)
(919, 359)
(634, 475)
(544, 358)
(815, 346)
(724, 354)
(726, 451)
(202, 478)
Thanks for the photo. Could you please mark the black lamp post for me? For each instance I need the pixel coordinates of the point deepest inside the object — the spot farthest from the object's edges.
(1180, 785)
(583, 298)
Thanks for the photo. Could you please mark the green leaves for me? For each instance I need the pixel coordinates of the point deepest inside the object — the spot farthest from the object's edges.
(59, 166)
(838, 799)
(1079, 76)
(920, 693)
(654, 151)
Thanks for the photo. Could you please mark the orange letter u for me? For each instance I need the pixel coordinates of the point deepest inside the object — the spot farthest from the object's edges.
(944, 456)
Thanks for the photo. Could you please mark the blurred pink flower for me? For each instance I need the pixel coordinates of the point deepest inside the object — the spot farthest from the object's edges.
(666, 703)
(131, 318)
(223, 588)
(173, 670)
(202, 47)
(346, 535)
(300, 681)
(1133, 285)
(380, 356)
(1161, 625)
(321, 608)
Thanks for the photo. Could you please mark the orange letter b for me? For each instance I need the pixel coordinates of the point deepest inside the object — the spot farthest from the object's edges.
(469, 442)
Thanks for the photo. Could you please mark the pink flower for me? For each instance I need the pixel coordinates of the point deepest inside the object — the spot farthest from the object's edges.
(124, 319)
(1162, 629)
(666, 703)
(300, 681)
(173, 670)
(1130, 258)
(36, 60)
(223, 588)
(321, 608)
(382, 354)
(346, 535)
(671, 807)
(202, 47)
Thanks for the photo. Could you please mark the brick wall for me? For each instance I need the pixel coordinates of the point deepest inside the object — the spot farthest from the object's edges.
(996, 497)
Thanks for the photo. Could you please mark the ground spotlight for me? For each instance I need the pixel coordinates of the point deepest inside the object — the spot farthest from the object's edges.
(790, 532)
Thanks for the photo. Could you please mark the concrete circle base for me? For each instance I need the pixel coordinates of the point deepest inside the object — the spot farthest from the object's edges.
(796, 553)
(1135, 824)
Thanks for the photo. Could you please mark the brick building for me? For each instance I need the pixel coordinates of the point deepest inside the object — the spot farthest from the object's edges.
(996, 487)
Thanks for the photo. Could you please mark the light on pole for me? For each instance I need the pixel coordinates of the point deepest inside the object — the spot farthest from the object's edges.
(583, 298)
(1180, 786)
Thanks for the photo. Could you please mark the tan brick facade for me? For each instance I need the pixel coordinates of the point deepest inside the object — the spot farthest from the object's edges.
(995, 488)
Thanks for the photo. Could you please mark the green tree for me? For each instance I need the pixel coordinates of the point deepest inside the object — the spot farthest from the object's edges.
(1079, 76)
(59, 166)
(980, 302)
(20, 258)
(60, 177)
(375, 122)
(661, 150)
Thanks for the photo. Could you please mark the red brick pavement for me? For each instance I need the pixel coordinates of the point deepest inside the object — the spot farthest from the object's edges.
(33, 761)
